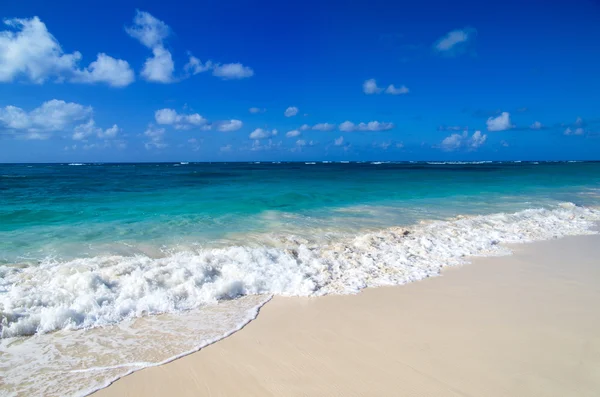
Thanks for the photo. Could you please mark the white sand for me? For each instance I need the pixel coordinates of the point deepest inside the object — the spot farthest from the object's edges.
(524, 325)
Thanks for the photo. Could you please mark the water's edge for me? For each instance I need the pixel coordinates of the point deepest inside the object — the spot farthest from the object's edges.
(508, 251)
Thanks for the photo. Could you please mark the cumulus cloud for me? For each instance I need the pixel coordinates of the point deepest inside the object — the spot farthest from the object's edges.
(179, 121)
(106, 69)
(229, 125)
(324, 127)
(372, 126)
(51, 116)
(303, 143)
(160, 67)
(232, 71)
(293, 133)
(89, 129)
(455, 41)
(370, 87)
(536, 126)
(397, 91)
(152, 32)
(28, 50)
(305, 127)
(291, 111)
(257, 110)
(463, 141)
(500, 123)
(226, 148)
(261, 133)
(339, 141)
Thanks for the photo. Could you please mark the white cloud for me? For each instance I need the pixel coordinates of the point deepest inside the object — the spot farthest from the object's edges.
(195, 66)
(463, 141)
(500, 123)
(323, 127)
(110, 132)
(231, 71)
(29, 50)
(477, 140)
(397, 91)
(370, 87)
(291, 111)
(179, 121)
(89, 129)
(106, 69)
(155, 136)
(339, 141)
(149, 30)
(257, 110)
(152, 32)
(578, 122)
(160, 67)
(304, 127)
(455, 41)
(399, 145)
(372, 126)
(226, 148)
(230, 125)
(293, 133)
(576, 131)
(536, 126)
(261, 133)
(51, 116)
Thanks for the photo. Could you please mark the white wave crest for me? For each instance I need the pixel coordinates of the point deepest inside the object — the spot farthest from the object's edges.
(96, 291)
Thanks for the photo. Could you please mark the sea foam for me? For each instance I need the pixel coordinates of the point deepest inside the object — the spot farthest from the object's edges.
(104, 290)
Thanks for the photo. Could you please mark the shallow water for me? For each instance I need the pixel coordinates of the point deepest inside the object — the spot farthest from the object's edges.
(102, 263)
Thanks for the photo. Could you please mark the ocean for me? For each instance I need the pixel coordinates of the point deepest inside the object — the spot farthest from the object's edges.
(109, 268)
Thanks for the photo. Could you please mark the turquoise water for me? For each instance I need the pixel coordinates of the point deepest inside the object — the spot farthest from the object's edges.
(65, 211)
(109, 268)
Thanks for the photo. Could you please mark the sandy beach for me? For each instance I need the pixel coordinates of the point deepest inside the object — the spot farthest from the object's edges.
(520, 325)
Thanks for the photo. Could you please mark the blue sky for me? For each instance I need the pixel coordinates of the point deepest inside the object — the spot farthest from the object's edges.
(315, 80)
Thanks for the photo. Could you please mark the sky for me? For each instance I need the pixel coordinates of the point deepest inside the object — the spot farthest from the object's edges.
(295, 81)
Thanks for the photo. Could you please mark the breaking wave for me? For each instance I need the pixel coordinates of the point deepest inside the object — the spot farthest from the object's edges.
(104, 290)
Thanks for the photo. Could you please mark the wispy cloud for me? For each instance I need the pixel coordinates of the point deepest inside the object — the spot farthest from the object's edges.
(455, 42)
(261, 133)
(372, 126)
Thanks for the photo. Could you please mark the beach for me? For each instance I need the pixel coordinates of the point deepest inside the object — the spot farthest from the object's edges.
(519, 325)
(129, 267)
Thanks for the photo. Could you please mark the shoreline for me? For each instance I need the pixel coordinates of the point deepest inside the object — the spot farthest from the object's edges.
(472, 331)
